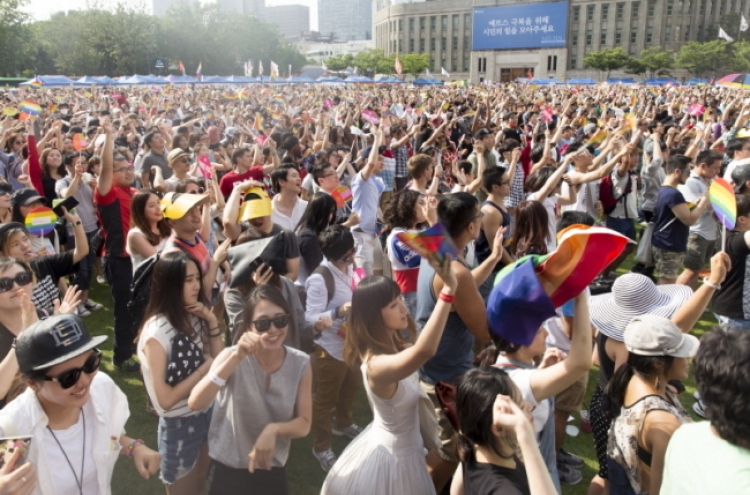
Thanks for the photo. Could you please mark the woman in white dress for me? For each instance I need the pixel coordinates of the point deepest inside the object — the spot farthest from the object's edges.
(389, 456)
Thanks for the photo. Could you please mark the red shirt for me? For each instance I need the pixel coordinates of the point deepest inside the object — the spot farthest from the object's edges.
(113, 210)
(228, 181)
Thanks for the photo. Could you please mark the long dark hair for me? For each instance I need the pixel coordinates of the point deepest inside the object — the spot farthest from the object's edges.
(138, 218)
(647, 366)
(475, 397)
(261, 293)
(167, 278)
(532, 228)
(367, 331)
(319, 214)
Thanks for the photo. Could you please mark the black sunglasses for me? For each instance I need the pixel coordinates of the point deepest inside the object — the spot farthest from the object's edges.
(279, 322)
(67, 379)
(23, 278)
(4, 191)
(200, 190)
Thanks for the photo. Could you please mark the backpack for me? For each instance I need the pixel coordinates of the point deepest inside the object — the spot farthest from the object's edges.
(325, 272)
(140, 290)
(607, 193)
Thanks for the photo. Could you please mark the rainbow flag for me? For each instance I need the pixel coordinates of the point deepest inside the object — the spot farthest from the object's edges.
(244, 94)
(724, 203)
(41, 221)
(258, 124)
(432, 241)
(208, 115)
(631, 121)
(547, 114)
(276, 117)
(231, 96)
(653, 91)
(36, 83)
(278, 100)
(633, 100)
(342, 195)
(598, 138)
(199, 70)
(30, 107)
(527, 292)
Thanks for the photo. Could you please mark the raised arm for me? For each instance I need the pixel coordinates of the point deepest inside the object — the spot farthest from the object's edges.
(104, 182)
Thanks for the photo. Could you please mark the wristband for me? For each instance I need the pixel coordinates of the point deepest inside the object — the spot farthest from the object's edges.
(77, 223)
(216, 379)
(711, 284)
(132, 446)
(214, 335)
(448, 298)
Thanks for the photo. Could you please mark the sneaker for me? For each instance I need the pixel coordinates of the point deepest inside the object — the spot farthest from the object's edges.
(697, 395)
(92, 305)
(699, 409)
(572, 460)
(81, 311)
(130, 365)
(568, 475)
(101, 279)
(326, 458)
(350, 431)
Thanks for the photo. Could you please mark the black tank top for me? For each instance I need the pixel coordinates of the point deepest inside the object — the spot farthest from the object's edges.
(483, 246)
(606, 365)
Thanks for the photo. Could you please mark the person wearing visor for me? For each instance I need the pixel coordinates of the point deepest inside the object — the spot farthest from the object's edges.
(74, 415)
(249, 209)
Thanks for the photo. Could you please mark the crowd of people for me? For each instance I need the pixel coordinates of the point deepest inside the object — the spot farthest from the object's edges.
(252, 241)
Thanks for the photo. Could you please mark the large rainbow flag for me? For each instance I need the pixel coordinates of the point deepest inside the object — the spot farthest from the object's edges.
(527, 292)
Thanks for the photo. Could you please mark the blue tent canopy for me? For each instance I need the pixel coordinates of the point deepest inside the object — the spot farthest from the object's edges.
(660, 81)
(621, 80)
(107, 80)
(389, 80)
(182, 79)
(239, 80)
(212, 80)
(540, 80)
(358, 79)
(299, 80)
(696, 81)
(329, 79)
(50, 81)
(141, 79)
(88, 81)
(423, 81)
(581, 81)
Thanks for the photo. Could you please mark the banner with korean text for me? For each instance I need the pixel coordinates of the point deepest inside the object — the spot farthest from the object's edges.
(530, 25)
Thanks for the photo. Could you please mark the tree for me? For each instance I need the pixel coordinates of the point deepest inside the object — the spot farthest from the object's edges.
(657, 60)
(702, 58)
(635, 66)
(606, 60)
(730, 23)
(415, 63)
(338, 63)
(13, 36)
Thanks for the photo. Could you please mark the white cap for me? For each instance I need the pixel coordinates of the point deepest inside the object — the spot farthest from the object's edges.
(651, 335)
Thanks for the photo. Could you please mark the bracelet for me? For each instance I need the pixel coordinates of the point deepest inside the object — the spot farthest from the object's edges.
(711, 284)
(216, 379)
(214, 335)
(132, 446)
(77, 223)
(448, 298)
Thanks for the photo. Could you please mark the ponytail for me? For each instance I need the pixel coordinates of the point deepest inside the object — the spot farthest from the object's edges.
(615, 390)
(465, 449)
(487, 357)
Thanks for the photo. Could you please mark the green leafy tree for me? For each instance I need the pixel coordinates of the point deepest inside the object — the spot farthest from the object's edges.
(415, 63)
(657, 60)
(340, 62)
(606, 60)
(704, 58)
(730, 23)
(741, 59)
(13, 36)
(635, 66)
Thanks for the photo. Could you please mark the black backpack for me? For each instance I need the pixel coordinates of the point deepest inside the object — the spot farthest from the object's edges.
(140, 290)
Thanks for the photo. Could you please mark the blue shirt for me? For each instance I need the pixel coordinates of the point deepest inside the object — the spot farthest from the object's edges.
(366, 197)
(669, 232)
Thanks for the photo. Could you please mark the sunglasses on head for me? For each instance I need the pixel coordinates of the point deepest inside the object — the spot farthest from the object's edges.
(279, 322)
(67, 379)
(21, 279)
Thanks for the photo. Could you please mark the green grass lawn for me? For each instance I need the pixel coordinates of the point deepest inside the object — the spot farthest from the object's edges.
(305, 475)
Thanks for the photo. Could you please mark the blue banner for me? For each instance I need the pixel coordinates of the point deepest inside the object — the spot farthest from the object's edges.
(533, 25)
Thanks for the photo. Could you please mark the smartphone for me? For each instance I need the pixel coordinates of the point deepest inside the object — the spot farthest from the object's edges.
(68, 203)
(9, 445)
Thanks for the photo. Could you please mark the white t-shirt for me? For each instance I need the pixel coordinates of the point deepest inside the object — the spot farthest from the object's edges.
(551, 205)
(522, 378)
(71, 441)
(693, 189)
(288, 222)
(138, 258)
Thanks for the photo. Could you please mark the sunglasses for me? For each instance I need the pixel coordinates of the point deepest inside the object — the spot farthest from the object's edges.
(279, 322)
(125, 169)
(3, 192)
(200, 190)
(23, 278)
(67, 379)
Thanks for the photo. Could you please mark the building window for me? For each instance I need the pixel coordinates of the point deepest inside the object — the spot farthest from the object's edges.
(467, 24)
(649, 35)
(411, 46)
(467, 45)
(432, 44)
(421, 23)
(411, 24)
(589, 37)
(670, 7)
(551, 63)
(635, 9)
(433, 22)
(633, 36)
(576, 14)
(454, 65)
(573, 62)
(620, 11)
(466, 64)
(421, 45)
(605, 12)
(455, 43)
(651, 8)
(444, 22)
(482, 64)
(687, 33)
(703, 8)
(603, 37)
(400, 25)
(667, 34)
(444, 43)
(589, 13)
(574, 38)
(455, 23)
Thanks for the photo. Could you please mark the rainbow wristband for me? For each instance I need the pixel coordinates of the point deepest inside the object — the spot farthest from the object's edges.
(131, 447)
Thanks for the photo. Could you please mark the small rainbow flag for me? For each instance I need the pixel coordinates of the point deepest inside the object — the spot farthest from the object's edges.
(597, 138)
(342, 195)
(36, 83)
(276, 117)
(79, 142)
(653, 91)
(41, 221)
(527, 292)
(631, 121)
(278, 100)
(244, 94)
(31, 108)
(724, 203)
(208, 115)
(53, 108)
(432, 241)
(231, 96)
(258, 124)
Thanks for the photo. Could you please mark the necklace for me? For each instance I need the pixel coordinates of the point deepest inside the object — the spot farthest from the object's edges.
(83, 454)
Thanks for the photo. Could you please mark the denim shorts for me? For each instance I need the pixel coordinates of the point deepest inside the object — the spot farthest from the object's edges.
(728, 323)
(180, 440)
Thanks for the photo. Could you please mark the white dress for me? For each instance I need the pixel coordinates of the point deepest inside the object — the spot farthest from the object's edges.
(388, 457)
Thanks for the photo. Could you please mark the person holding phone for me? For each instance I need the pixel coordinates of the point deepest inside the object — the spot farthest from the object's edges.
(74, 190)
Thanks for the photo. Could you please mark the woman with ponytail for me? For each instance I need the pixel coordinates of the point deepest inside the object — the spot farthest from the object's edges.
(647, 412)
(494, 423)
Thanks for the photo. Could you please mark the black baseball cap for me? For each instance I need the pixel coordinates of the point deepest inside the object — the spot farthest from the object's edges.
(481, 133)
(740, 176)
(26, 196)
(52, 341)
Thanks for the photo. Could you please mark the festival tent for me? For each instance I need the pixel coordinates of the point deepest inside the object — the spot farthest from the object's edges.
(299, 80)
(140, 79)
(389, 80)
(50, 81)
(211, 80)
(550, 80)
(660, 81)
(423, 81)
(329, 79)
(240, 80)
(359, 80)
(581, 81)
(696, 81)
(107, 80)
(88, 81)
(180, 80)
(621, 80)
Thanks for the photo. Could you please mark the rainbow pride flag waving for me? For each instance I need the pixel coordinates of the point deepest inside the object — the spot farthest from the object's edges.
(527, 292)
(432, 241)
